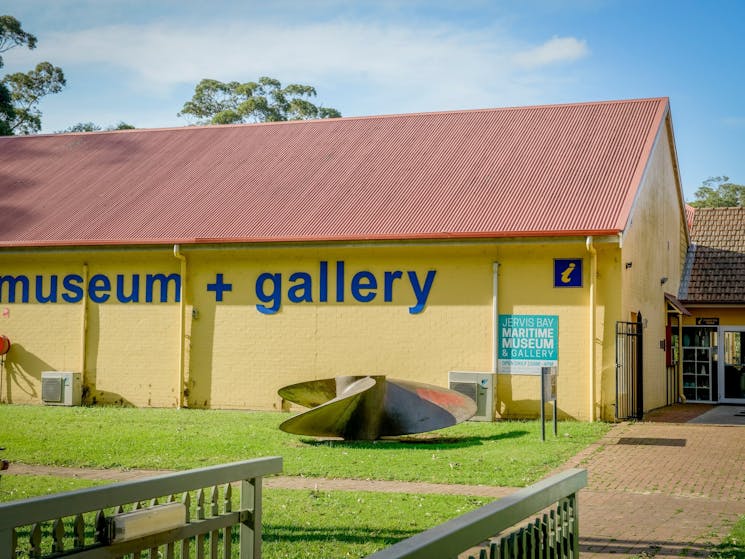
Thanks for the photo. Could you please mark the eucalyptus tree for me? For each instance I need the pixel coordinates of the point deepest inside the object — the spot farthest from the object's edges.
(216, 102)
(719, 192)
(21, 92)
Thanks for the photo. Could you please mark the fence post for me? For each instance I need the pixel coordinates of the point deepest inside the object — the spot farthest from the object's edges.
(7, 547)
(250, 528)
(639, 367)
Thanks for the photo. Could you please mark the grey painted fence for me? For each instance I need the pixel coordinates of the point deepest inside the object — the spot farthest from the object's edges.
(84, 524)
(555, 535)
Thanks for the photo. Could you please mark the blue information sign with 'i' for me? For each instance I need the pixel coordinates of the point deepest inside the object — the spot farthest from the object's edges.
(568, 272)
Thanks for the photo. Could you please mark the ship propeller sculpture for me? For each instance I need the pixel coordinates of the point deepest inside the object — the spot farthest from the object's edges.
(371, 407)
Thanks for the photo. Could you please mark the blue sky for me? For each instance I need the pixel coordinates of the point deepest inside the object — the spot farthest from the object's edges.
(138, 60)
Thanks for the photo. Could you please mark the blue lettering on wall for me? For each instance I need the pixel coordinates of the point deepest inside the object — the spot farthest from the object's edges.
(302, 287)
(363, 287)
(98, 288)
(74, 286)
(340, 282)
(11, 284)
(219, 287)
(301, 291)
(163, 281)
(388, 289)
(421, 292)
(134, 294)
(274, 296)
(323, 294)
(52, 297)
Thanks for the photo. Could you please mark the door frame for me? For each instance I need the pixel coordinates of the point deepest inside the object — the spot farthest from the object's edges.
(720, 363)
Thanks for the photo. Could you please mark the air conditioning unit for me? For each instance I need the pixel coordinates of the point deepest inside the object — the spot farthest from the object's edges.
(61, 388)
(477, 386)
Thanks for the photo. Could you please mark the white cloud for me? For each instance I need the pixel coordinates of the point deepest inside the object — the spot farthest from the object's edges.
(449, 60)
(135, 72)
(555, 50)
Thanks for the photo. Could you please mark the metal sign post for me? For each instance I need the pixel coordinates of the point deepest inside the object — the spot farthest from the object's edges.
(548, 394)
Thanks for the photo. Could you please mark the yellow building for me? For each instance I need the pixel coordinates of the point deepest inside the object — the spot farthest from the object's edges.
(210, 266)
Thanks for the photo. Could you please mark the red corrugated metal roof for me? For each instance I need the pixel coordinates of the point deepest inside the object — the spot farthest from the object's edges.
(690, 214)
(530, 171)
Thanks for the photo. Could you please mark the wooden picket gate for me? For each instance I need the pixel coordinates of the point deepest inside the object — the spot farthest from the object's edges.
(201, 519)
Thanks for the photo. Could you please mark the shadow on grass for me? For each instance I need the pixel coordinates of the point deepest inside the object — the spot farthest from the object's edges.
(326, 534)
(424, 441)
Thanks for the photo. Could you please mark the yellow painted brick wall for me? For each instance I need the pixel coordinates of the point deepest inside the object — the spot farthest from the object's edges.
(251, 355)
(131, 349)
(652, 246)
(526, 287)
(607, 312)
(44, 336)
(238, 357)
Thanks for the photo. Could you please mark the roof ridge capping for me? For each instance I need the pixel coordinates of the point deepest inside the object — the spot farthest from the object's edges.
(356, 117)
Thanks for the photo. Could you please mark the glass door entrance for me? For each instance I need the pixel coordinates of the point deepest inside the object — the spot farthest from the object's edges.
(700, 363)
(732, 371)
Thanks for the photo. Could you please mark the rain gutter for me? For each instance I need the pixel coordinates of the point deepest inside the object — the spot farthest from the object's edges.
(182, 329)
(495, 329)
(591, 328)
(84, 326)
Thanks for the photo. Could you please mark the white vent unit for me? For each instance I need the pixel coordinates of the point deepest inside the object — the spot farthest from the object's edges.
(61, 388)
(477, 386)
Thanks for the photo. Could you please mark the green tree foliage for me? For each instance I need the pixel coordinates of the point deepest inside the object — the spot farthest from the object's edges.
(121, 126)
(26, 91)
(719, 192)
(11, 35)
(215, 102)
(93, 127)
(81, 127)
(20, 93)
(6, 111)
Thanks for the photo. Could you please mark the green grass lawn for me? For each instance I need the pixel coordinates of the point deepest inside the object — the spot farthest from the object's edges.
(503, 453)
(309, 523)
(733, 546)
(14, 487)
(297, 523)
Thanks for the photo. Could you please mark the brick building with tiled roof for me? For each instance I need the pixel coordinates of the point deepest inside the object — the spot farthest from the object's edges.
(715, 265)
(713, 291)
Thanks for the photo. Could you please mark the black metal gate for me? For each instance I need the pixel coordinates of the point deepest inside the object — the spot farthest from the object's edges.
(629, 369)
(672, 380)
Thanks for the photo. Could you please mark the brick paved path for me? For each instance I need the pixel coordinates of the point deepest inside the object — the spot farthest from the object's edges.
(655, 489)
(664, 490)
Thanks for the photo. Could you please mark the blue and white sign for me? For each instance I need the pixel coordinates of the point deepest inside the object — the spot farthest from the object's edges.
(528, 342)
(568, 272)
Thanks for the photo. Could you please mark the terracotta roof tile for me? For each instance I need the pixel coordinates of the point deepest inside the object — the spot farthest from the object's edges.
(715, 263)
